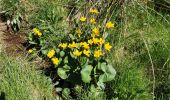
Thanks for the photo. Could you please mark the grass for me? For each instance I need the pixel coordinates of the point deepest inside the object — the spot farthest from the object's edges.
(131, 83)
(145, 40)
(20, 81)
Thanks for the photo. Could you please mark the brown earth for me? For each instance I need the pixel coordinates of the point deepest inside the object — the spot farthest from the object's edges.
(10, 42)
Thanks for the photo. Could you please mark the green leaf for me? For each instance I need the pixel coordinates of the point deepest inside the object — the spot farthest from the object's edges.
(32, 42)
(42, 42)
(44, 51)
(62, 53)
(66, 94)
(58, 89)
(62, 73)
(66, 60)
(57, 50)
(66, 67)
(109, 73)
(14, 21)
(85, 73)
(30, 36)
(84, 61)
(72, 37)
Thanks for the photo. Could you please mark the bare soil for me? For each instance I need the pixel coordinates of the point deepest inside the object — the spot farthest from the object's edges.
(10, 42)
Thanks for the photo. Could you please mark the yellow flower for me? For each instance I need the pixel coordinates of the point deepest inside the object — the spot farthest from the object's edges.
(96, 31)
(86, 45)
(107, 46)
(87, 52)
(37, 32)
(97, 53)
(94, 11)
(77, 53)
(101, 41)
(93, 20)
(73, 45)
(109, 24)
(93, 35)
(63, 45)
(90, 42)
(79, 32)
(95, 40)
(83, 19)
(55, 61)
(81, 43)
(30, 50)
(51, 53)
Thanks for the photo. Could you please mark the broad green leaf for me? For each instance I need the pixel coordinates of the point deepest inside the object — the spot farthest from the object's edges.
(45, 51)
(85, 74)
(66, 67)
(62, 73)
(84, 61)
(109, 73)
(62, 53)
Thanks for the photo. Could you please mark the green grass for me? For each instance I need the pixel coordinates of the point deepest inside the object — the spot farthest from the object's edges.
(20, 81)
(142, 37)
(131, 82)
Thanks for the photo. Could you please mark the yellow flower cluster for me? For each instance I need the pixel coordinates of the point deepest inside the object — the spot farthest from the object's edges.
(99, 41)
(51, 54)
(95, 32)
(91, 46)
(37, 32)
(86, 46)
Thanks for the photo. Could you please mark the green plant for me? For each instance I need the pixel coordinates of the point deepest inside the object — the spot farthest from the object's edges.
(13, 10)
(131, 83)
(20, 80)
(82, 57)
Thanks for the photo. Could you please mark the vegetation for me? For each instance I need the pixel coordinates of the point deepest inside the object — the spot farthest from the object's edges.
(20, 80)
(97, 50)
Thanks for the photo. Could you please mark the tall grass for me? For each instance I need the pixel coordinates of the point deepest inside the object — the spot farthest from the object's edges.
(144, 39)
(20, 80)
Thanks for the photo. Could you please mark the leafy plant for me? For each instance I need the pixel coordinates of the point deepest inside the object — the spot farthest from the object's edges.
(13, 10)
(80, 56)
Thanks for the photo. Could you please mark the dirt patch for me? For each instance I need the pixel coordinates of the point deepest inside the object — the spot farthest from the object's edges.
(10, 42)
(14, 43)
